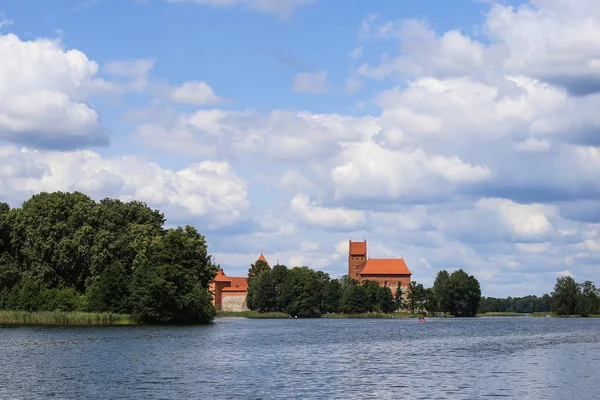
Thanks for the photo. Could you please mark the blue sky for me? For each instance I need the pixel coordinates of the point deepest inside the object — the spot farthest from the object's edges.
(457, 134)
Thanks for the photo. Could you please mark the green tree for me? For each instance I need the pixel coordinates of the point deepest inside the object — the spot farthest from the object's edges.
(372, 288)
(355, 300)
(442, 291)
(279, 274)
(399, 297)
(416, 297)
(110, 291)
(302, 293)
(265, 295)
(590, 301)
(385, 299)
(465, 294)
(171, 286)
(566, 296)
(333, 296)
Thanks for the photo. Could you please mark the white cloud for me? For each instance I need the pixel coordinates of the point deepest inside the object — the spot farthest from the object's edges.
(330, 218)
(4, 22)
(280, 135)
(369, 171)
(533, 145)
(208, 190)
(136, 71)
(44, 93)
(310, 82)
(195, 92)
(281, 8)
(524, 220)
(356, 52)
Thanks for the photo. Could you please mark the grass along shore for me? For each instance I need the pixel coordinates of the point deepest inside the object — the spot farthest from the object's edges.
(63, 318)
(256, 314)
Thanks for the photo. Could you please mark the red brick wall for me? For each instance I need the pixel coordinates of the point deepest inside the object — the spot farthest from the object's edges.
(355, 265)
(388, 280)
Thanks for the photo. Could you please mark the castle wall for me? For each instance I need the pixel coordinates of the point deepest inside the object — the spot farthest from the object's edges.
(233, 301)
(390, 281)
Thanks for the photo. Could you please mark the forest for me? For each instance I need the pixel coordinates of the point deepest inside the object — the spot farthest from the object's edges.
(67, 252)
(568, 298)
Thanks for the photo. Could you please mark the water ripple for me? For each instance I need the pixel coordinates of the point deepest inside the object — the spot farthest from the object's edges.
(522, 358)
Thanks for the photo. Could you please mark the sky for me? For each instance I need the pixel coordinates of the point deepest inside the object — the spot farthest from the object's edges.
(460, 134)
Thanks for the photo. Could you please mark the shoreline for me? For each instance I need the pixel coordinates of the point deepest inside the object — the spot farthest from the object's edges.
(9, 317)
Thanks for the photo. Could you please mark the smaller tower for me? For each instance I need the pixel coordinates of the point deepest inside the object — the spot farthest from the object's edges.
(357, 258)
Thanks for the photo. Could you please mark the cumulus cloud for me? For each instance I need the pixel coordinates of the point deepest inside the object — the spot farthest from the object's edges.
(370, 171)
(44, 91)
(279, 135)
(206, 191)
(310, 82)
(195, 92)
(330, 218)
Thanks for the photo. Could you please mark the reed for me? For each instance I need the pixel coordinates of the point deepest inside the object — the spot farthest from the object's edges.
(63, 318)
(372, 315)
(501, 314)
(250, 314)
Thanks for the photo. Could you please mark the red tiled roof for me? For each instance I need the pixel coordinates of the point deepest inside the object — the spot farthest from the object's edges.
(359, 248)
(385, 266)
(262, 258)
(221, 277)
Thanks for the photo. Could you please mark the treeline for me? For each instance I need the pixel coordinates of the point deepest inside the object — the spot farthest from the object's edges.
(568, 298)
(64, 251)
(521, 305)
(301, 291)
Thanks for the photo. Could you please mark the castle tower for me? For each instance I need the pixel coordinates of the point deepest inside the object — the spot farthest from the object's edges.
(357, 258)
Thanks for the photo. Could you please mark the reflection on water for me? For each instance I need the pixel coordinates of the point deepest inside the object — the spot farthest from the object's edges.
(522, 358)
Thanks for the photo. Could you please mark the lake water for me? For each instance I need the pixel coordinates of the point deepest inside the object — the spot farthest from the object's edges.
(521, 358)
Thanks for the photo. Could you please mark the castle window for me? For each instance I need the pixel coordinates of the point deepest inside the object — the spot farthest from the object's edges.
(385, 283)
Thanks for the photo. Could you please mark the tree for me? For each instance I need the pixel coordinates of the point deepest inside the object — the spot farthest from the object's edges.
(416, 296)
(302, 292)
(332, 297)
(355, 300)
(441, 289)
(110, 291)
(566, 296)
(385, 300)
(279, 274)
(372, 288)
(399, 297)
(171, 286)
(265, 294)
(257, 268)
(464, 294)
(590, 301)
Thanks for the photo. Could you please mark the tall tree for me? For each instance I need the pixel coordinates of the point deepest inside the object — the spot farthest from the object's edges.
(566, 296)
(333, 296)
(441, 289)
(385, 299)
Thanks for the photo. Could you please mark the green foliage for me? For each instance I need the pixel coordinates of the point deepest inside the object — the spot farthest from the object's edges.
(65, 252)
(355, 300)
(265, 297)
(572, 298)
(302, 292)
(527, 304)
(110, 292)
(458, 294)
(332, 296)
(385, 300)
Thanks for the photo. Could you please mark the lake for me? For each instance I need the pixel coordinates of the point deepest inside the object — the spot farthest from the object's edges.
(522, 358)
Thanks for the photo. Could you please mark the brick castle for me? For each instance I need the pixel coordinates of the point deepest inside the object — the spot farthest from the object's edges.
(229, 293)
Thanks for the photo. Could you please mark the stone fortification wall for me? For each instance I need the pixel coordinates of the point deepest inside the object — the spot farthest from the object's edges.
(234, 302)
